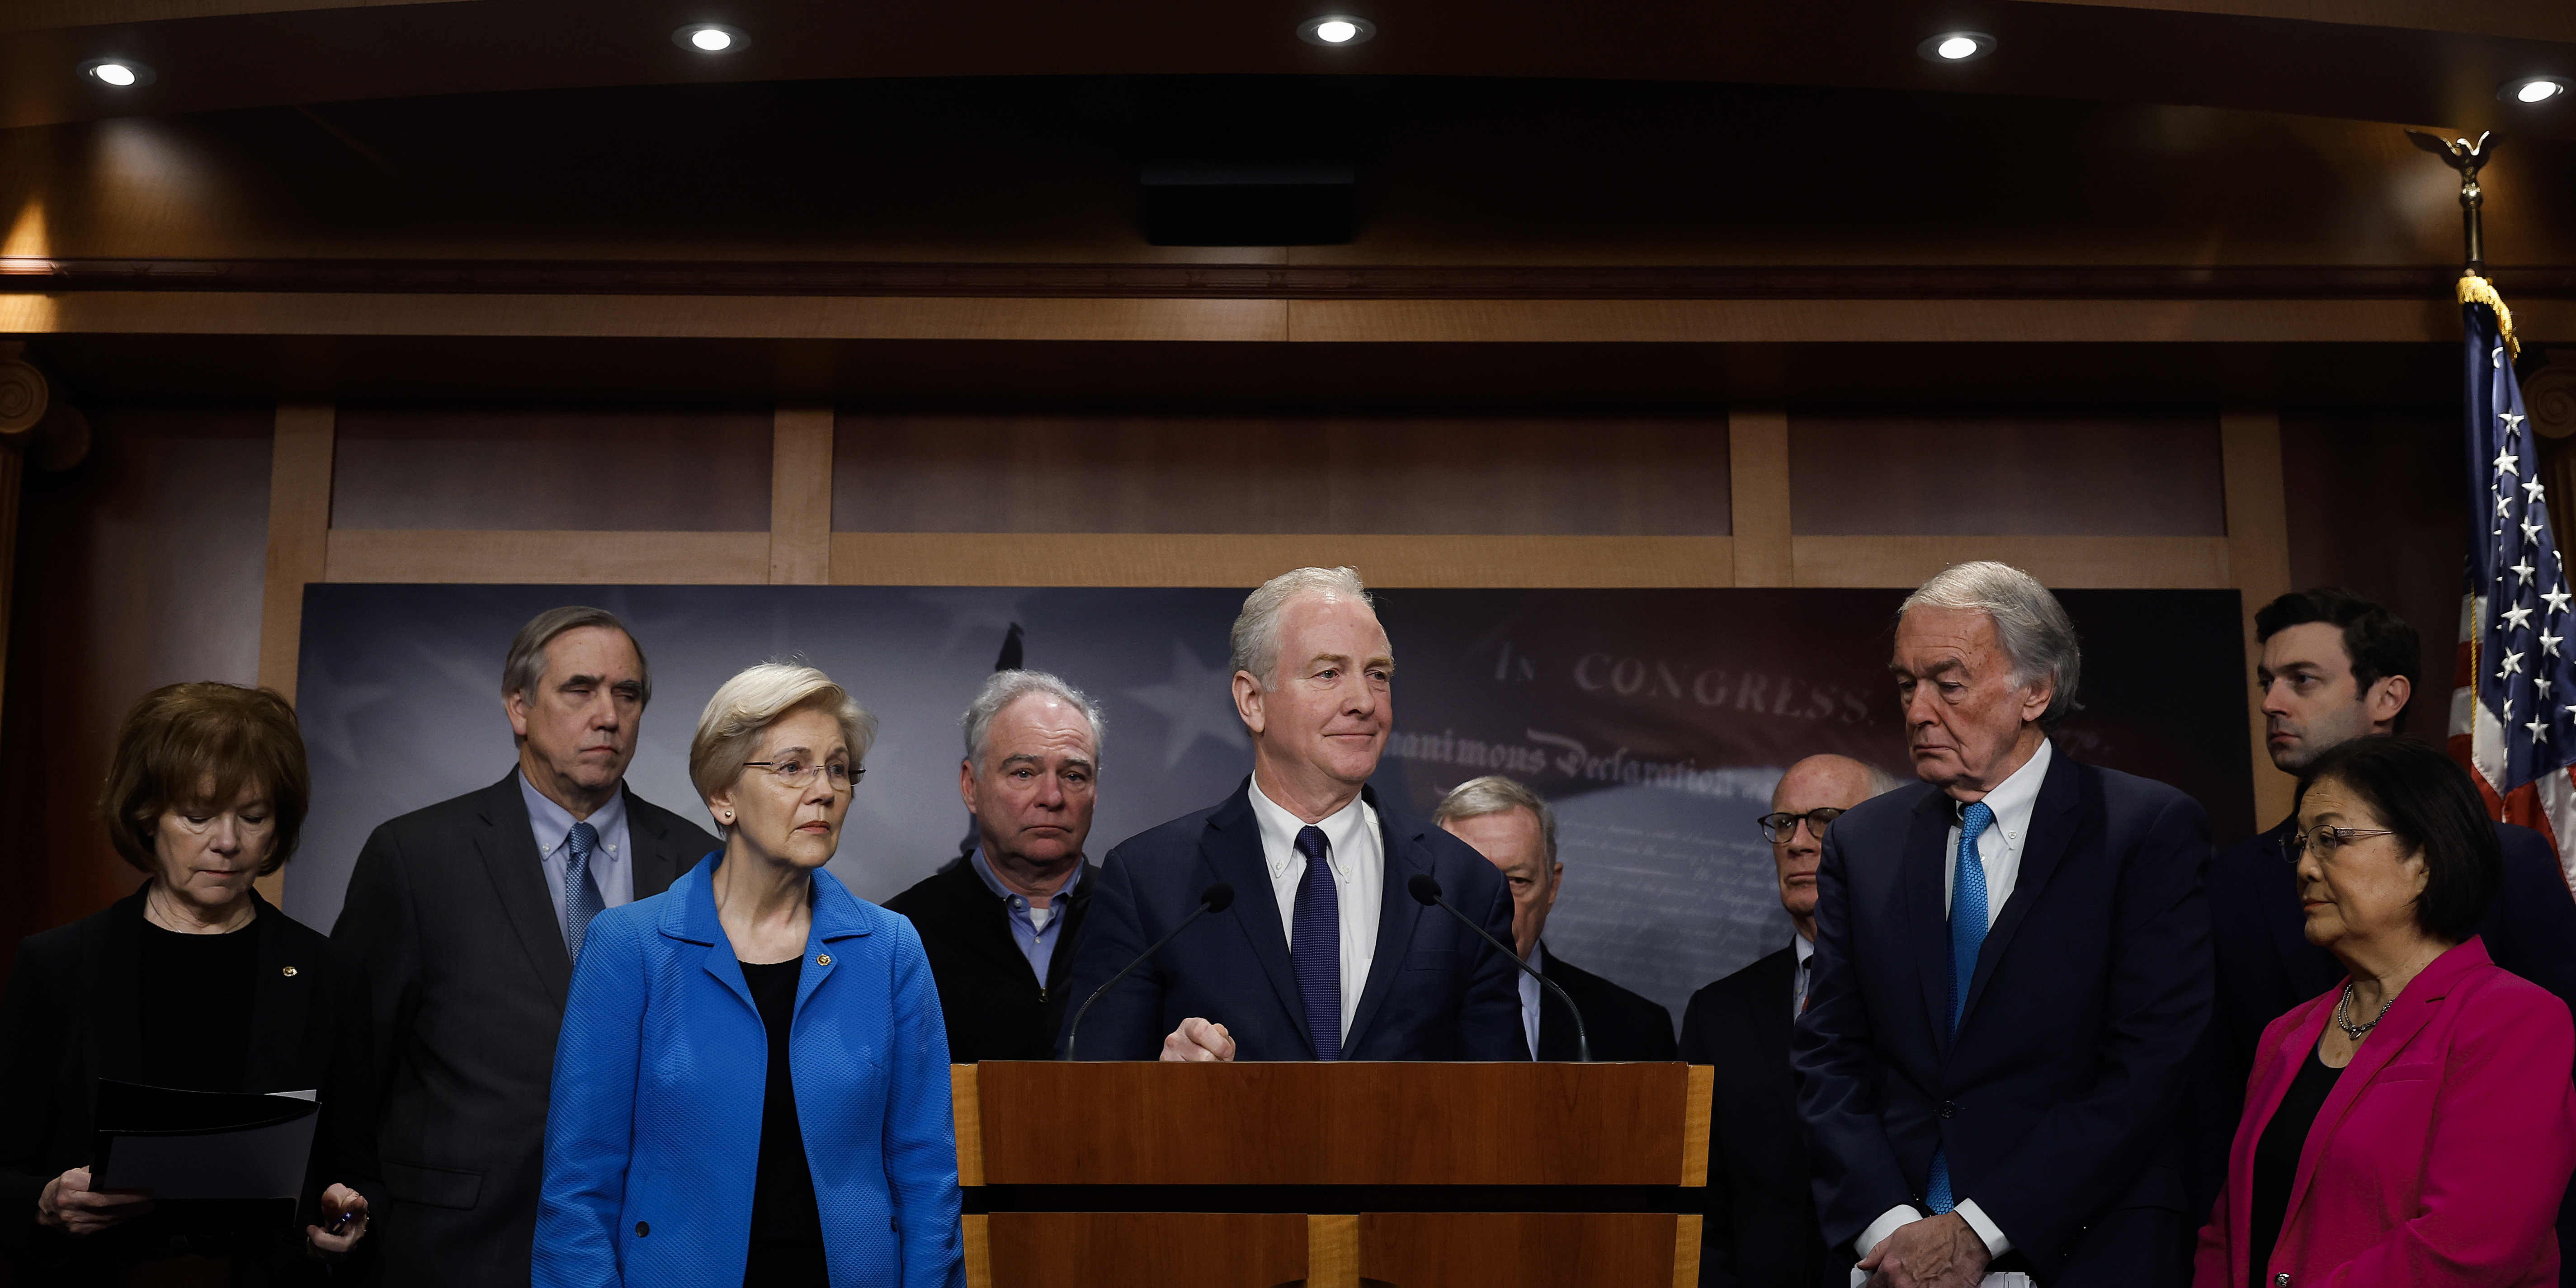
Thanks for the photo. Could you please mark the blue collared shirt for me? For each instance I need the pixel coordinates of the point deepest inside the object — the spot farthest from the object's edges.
(1037, 943)
(610, 863)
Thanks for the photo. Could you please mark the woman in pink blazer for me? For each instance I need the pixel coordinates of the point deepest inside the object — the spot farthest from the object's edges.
(2416, 1126)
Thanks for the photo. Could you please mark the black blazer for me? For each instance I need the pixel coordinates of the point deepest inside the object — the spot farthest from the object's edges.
(466, 962)
(2266, 967)
(2057, 1103)
(73, 1015)
(1434, 991)
(1622, 1025)
(997, 1008)
(1761, 1229)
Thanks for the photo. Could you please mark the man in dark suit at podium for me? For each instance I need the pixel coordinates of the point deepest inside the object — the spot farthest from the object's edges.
(1516, 832)
(2012, 973)
(1002, 923)
(1761, 1227)
(469, 914)
(2336, 667)
(1323, 954)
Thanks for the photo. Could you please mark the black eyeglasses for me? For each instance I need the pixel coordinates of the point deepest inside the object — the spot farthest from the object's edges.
(1780, 827)
(2325, 841)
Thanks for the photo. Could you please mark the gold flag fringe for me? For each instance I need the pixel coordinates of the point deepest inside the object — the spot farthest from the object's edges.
(2478, 290)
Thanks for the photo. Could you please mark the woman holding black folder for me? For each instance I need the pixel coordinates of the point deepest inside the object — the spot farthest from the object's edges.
(193, 982)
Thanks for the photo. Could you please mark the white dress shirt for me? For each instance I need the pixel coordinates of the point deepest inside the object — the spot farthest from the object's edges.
(1999, 851)
(609, 864)
(1798, 995)
(1530, 995)
(1356, 852)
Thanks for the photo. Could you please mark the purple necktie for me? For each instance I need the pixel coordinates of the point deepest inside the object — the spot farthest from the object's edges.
(1315, 946)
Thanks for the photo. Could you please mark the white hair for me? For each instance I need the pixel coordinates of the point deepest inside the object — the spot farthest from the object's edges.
(757, 697)
(1495, 794)
(2030, 625)
(1007, 687)
(1256, 629)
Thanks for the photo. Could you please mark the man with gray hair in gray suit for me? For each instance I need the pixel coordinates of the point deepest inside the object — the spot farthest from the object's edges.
(1002, 921)
(469, 914)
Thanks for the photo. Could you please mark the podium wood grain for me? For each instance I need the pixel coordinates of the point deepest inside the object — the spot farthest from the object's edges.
(1338, 1124)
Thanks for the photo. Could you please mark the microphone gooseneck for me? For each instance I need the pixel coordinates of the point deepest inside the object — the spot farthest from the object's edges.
(1426, 891)
(1216, 898)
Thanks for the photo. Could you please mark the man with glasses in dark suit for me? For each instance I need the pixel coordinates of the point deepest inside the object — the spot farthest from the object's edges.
(469, 915)
(1761, 1229)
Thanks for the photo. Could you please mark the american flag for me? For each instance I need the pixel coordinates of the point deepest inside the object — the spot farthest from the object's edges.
(2513, 712)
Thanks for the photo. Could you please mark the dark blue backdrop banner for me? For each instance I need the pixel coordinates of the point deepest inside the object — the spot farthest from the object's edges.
(1656, 720)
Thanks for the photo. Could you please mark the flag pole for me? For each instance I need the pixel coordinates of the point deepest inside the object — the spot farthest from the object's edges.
(2468, 158)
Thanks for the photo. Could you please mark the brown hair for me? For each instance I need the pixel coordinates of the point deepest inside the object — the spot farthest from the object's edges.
(182, 738)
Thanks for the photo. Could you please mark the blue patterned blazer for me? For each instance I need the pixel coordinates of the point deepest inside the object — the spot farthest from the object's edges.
(653, 1135)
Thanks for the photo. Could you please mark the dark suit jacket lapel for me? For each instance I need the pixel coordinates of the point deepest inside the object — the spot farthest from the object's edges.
(2053, 819)
(279, 1007)
(113, 988)
(1773, 1017)
(1397, 915)
(1231, 845)
(658, 860)
(508, 844)
(1927, 908)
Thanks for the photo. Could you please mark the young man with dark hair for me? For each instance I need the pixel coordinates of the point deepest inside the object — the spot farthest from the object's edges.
(2335, 667)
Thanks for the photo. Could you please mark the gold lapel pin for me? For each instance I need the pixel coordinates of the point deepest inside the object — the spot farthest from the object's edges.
(288, 972)
(824, 960)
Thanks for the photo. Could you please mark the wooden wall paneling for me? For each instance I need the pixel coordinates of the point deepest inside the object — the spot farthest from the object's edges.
(1757, 446)
(1241, 559)
(1200, 1249)
(2258, 561)
(800, 497)
(679, 316)
(1332, 1250)
(13, 472)
(2334, 321)
(2109, 563)
(569, 558)
(1519, 1249)
(299, 525)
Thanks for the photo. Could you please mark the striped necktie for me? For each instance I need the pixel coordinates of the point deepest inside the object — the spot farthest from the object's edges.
(581, 889)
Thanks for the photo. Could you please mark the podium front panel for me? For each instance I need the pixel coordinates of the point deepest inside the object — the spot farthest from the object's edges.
(1141, 1123)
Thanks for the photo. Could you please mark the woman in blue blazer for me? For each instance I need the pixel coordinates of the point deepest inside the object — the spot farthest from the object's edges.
(752, 1082)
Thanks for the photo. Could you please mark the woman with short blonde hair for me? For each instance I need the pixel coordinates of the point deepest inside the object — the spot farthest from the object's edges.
(752, 1083)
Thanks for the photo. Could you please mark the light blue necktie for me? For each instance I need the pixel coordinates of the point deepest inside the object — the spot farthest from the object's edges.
(1315, 946)
(581, 889)
(1967, 935)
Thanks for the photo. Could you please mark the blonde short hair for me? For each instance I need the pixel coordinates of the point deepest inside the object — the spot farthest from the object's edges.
(757, 697)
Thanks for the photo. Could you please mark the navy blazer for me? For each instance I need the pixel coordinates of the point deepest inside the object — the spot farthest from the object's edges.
(2267, 967)
(2057, 1099)
(1434, 991)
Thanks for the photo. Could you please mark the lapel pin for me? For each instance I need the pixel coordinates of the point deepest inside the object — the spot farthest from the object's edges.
(288, 972)
(824, 960)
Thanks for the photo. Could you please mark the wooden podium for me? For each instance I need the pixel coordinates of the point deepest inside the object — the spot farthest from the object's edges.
(1332, 1175)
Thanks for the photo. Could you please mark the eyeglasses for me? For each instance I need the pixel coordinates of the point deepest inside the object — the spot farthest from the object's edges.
(1780, 827)
(2325, 841)
(799, 775)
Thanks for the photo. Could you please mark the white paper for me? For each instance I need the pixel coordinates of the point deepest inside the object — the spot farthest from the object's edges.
(2005, 1279)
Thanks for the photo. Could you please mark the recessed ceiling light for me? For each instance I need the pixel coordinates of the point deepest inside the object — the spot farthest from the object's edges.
(2532, 89)
(121, 73)
(711, 38)
(1956, 46)
(1336, 30)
